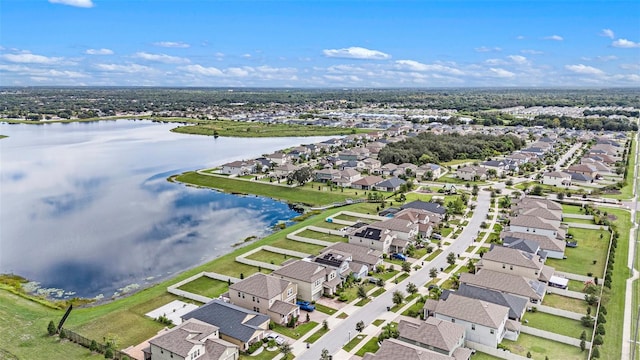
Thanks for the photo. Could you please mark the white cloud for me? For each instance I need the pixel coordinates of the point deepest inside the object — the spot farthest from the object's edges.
(413, 65)
(487, 49)
(624, 43)
(607, 33)
(39, 72)
(28, 58)
(128, 68)
(355, 52)
(605, 58)
(634, 67)
(163, 58)
(554, 38)
(171, 44)
(502, 73)
(246, 56)
(518, 59)
(495, 62)
(99, 51)
(531, 52)
(76, 3)
(584, 69)
(201, 70)
(520, 37)
(238, 72)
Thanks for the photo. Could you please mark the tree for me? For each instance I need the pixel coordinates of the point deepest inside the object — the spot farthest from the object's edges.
(325, 325)
(324, 355)
(94, 346)
(595, 353)
(63, 334)
(406, 267)
(451, 258)
(108, 353)
(600, 329)
(398, 297)
(587, 321)
(583, 336)
(433, 272)
(412, 288)
(475, 190)
(505, 202)
(583, 344)
(51, 329)
(301, 176)
(362, 292)
(285, 349)
(598, 340)
(360, 326)
(537, 190)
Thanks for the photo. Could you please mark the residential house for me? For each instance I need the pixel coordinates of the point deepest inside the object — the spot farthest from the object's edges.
(471, 173)
(282, 171)
(390, 185)
(436, 335)
(347, 177)
(423, 170)
(499, 166)
(557, 178)
(373, 237)
(278, 158)
(529, 289)
(267, 295)
(513, 261)
(359, 254)
(393, 349)
(239, 168)
(327, 175)
(193, 339)
(307, 275)
(236, 324)
(367, 182)
(553, 247)
(404, 232)
(431, 207)
(371, 165)
(348, 155)
(517, 305)
(484, 322)
(387, 169)
(535, 225)
(583, 169)
(420, 217)
(406, 169)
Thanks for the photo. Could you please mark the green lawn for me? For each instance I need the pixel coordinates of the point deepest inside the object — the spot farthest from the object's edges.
(482, 356)
(325, 309)
(377, 322)
(270, 257)
(297, 195)
(385, 275)
(353, 218)
(332, 226)
(565, 303)
(416, 307)
(378, 292)
(434, 254)
(577, 221)
(317, 335)
(556, 324)
(284, 243)
(352, 292)
(363, 302)
(297, 332)
(540, 347)
(401, 277)
(206, 286)
(354, 341)
(370, 346)
(580, 260)
(24, 331)
(572, 209)
(322, 236)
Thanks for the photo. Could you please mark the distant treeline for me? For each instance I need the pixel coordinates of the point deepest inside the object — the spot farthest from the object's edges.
(432, 148)
(627, 113)
(551, 121)
(35, 103)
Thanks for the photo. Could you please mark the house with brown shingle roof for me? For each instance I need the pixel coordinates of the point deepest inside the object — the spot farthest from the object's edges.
(239, 168)
(556, 178)
(393, 349)
(535, 225)
(484, 322)
(267, 295)
(434, 334)
(530, 289)
(367, 183)
(191, 339)
(360, 254)
(313, 278)
(517, 262)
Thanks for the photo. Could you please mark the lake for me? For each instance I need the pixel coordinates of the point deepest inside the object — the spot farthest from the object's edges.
(86, 210)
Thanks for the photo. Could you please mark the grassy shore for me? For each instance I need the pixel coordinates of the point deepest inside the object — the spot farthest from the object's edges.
(303, 195)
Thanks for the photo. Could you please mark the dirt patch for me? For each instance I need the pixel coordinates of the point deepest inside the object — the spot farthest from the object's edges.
(612, 217)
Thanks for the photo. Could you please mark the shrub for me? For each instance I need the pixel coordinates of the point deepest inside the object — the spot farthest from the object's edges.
(93, 346)
(598, 340)
(51, 329)
(600, 330)
(108, 353)
(63, 334)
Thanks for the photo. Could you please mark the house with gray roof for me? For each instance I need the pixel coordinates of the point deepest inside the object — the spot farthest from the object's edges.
(517, 305)
(391, 184)
(360, 254)
(439, 336)
(556, 178)
(551, 245)
(429, 206)
(535, 225)
(393, 349)
(236, 324)
(190, 340)
(267, 295)
(529, 289)
(484, 322)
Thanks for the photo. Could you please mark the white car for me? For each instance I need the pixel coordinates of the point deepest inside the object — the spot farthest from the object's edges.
(277, 338)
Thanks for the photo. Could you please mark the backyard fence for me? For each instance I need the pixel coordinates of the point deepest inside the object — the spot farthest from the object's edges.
(86, 342)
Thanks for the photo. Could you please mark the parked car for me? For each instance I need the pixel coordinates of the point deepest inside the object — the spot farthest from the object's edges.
(398, 256)
(275, 337)
(572, 244)
(306, 306)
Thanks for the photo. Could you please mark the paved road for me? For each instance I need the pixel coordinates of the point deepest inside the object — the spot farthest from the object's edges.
(340, 332)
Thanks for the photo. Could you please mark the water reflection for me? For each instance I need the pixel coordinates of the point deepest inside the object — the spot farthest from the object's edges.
(87, 208)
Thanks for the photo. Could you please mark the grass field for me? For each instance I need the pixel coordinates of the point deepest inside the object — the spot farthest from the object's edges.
(580, 260)
(370, 346)
(303, 195)
(352, 292)
(556, 324)
(317, 335)
(297, 332)
(206, 287)
(325, 309)
(572, 209)
(540, 347)
(354, 341)
(322, 236)
(565, 303)
(256, 129)
(270, 257)
(24, 331)
(569, 221)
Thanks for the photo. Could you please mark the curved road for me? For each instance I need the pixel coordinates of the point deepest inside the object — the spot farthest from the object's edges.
(341, 332)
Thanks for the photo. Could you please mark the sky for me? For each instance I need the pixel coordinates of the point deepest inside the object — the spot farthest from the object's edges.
(306, 43)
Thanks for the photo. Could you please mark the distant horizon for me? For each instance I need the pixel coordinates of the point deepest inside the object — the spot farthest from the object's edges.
(321, 44)
(274, 88)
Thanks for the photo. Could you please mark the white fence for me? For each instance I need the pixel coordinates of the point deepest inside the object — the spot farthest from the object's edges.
(567, 293)
(173, 289)
(559, 312)
(295, 237)
(502, 354)
(573, 276)
(326, 231)
(577, 216)
(587, 226)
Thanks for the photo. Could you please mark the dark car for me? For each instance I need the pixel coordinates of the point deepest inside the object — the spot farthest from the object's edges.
(398, 256)
(306, 306)
(572, 244)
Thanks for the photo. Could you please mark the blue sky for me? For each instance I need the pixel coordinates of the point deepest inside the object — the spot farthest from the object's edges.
(320, 43)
